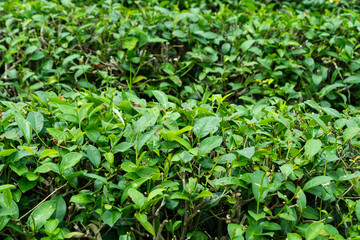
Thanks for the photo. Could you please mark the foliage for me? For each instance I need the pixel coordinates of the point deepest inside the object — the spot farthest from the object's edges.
(116, 164)
(166, 120)
(294, 52)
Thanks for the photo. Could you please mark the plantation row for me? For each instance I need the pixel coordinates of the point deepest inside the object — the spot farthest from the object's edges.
(248, 47)
(179, 120)
(117, 165)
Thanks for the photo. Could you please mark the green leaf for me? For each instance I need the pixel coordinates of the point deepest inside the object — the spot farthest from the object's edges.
(70, 58)
(36, 120)
(7, 197)
(209, 35)
(205, 125)
(7, 152)
(314, 230)
(42, 213)
(208, 144)
(161, 97)
(148, 227)
(82, 198)
(357, 210)
(60, 207)
(350, 133)
(328, 88)
(352, 80)
(51, 225)
(25, 128)
(255, 216)
(287, 170)
(137, 197)
(293, 236)
(203, 194)
(312, 147)
(37, 55)
(155, 192)
(143, 138)
(349, 176)
(316, 181)
(56, 133)
(235, 231)
(225, 48)
(331, 230)
(6, 186)
(82, 112)
(259, 182)
(317, 119)
(179, 34)
(247, 152)
(30, 50)
(111, 217)
(94, 155)
(109, 157)
(183, 142)
(47, 152)
(180, 195)
(230, 181)
(130, 43)
(70, 160)
(246, 45)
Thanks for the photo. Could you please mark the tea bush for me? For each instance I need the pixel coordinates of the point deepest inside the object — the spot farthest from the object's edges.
(192, 120)
(245, 47)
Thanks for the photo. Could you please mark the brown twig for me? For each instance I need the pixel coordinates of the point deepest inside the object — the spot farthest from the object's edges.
(161, 227)
(52, 193)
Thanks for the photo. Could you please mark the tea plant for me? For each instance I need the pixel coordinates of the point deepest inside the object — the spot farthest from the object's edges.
(179, 120)
(98, 166)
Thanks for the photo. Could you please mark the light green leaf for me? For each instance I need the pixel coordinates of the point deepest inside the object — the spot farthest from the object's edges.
(82, 198)
(25, 128)
(352, 80)
(293, 236)
(138, 198)
(155, 192)
(180, 195)
(247, 152)
(94, 155)
(350, 133)
(247, 44)
(130, 43)
(316, 181)
(51, 226)
(109, 157)
(205, 125)
(7, 197)
(182, 141)
(56, 133)
(111, 217)
(82, 112)
(7, 152)
(259, 180)
(314, 230)
(208, 144)
(47, 152)
(6, 186)
(70, 160)
(312, 147)
(161, 97)
(203, 194)
(36, 120)
(317, 119)
(42, 213)
(357, 210)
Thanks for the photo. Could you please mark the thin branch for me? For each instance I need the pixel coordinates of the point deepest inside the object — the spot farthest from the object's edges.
(161, 227)
(42, 201)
